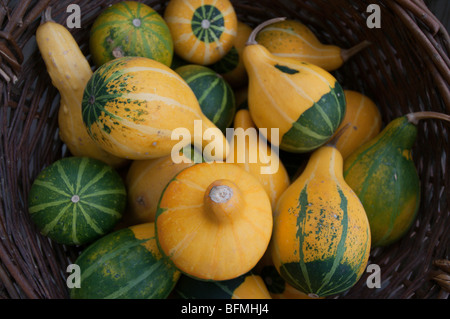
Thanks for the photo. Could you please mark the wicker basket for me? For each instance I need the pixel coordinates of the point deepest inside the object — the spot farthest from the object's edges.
(405, 69)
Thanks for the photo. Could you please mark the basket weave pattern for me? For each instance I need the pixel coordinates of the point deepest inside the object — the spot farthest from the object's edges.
(406, 69)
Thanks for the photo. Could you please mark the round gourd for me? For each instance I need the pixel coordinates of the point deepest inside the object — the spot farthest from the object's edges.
(231, 66)
(303, 102)
(214, 94)
(125, 264)
(247, 286)
(365, 122)
(76, 200)
(321, 236)
(130, 28)
(214, 221)
(203, 31)
(132, 106)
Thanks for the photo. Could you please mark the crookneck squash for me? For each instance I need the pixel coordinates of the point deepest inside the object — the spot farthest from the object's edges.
(384, 176)
(291, 38)
(321, 236)
(139, 108)
(214, 221)
(69, 71)
(203, 31)
(303, 102)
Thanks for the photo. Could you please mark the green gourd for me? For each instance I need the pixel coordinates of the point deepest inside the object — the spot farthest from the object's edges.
(383, 175)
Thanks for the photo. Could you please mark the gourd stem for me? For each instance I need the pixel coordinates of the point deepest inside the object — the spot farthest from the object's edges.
(222, 200)
(47, 15)
(252, 38)
(346, 54)
(417, 116)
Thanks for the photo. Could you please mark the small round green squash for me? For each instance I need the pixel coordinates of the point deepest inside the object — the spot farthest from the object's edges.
(76, 200)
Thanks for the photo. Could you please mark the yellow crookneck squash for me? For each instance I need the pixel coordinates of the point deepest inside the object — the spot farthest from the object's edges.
(291, 38)
(254, 155)
(321, 237)
(303, 102)
(70, 71)
(214, 221)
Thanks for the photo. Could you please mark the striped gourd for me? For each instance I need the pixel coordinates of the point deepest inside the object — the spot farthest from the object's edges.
(125, 264)
(291, 38)
(231, 66)
(365, 119)
(302, 101)
(76, 200)
(321, 236)
(203, 31)
(214, 94)
(247, 286)
(132, 105)
(130, 28)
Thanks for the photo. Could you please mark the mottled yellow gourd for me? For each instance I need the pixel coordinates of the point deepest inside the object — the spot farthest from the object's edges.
(214, 221)
(255, 155)
(69, 71)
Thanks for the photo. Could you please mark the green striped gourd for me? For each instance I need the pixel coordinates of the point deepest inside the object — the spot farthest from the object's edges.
(383, 175)
(125, 264)
(214, 94)
(130, 28)
(247, 286)
(303, 101)
(76, 200)
(321, 236)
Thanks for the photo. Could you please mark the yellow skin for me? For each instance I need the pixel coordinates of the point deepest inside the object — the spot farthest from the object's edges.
(212, 237)
(179, 15)
(70, 71)
(253, 287)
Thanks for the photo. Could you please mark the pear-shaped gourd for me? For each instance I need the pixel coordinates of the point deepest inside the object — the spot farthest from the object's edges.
(139, 108)
(300, 104)
(291, 38)
(383, 175)
(254, 155)
(214, 221)
(321, 236)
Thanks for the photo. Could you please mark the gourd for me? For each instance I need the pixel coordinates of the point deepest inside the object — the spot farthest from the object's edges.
(69, 72)
(365, 119)
(252, 153)
(214, 221)
(214, 94)
(302, 101)
(247, 286)
(125, 264)
(136, 107)
(231, 66)
(383, 175)
(291, 38)
(76, 200)
(130, 28)
(203, 31)
(321, 236)
(146, 180)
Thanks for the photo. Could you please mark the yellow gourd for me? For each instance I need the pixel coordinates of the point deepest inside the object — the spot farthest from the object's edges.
(214, 221)
(70, 71)
(291, 38)
(365, 119)
(255, 156)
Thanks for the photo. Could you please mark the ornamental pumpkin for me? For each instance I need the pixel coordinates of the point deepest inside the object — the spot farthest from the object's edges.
(134, 107)
(203, 31)
(125, 264)
(70, 71)
(304, 102)
(214, 221)
(130, 28)
(253, 154)
(384, 176)
(321, 236)
(291, 38)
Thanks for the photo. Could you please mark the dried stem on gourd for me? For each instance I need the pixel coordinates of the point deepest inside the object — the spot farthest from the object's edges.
(415, 117)
(47, 15)
(222, 199)
(346, 54)
(252, 38)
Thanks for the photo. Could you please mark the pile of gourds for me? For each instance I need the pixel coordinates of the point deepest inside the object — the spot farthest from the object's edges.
(218, 225)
